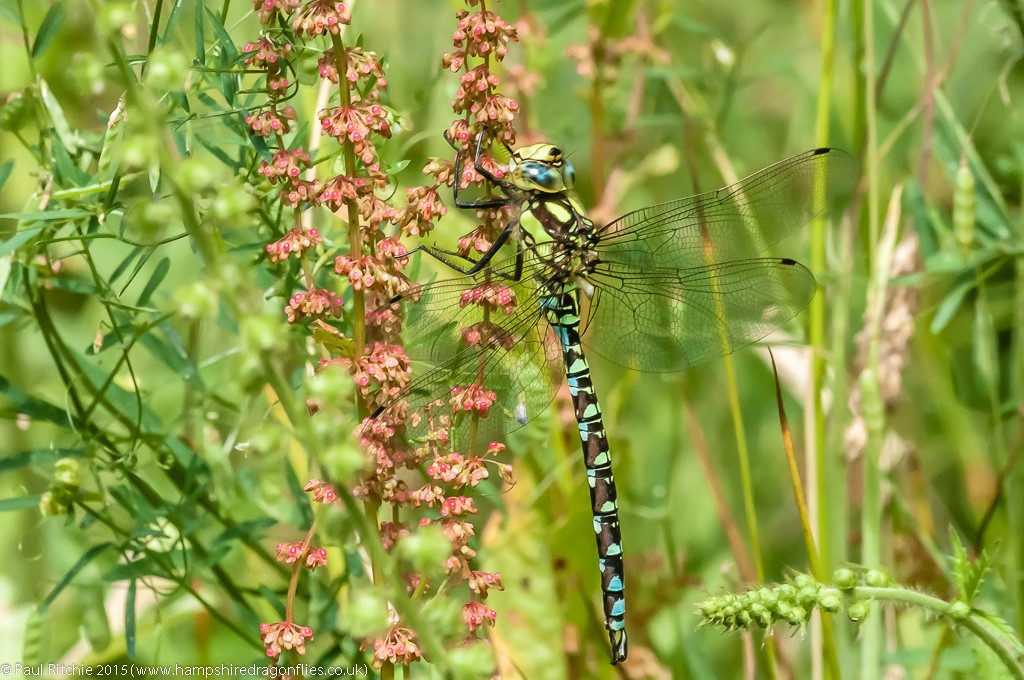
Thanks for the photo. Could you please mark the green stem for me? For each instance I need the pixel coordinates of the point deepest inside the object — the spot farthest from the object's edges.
(871, 511)
(819, 474)
(974, 623)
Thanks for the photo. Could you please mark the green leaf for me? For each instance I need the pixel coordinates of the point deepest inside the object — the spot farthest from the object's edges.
(47, 215)
(68, 173)
(172, 21)
(129, 620)
(90, 554)
(122, 267)
(37, 457)
(32, 407)
(48, 29)
(73, 286)
(5, 172)
(162, 267)
(5, 274)
(19, 503)
(229, 57)
(200, 40)
(13, 16)
(983, 348)
(57, 117)
(19, 239)
(969, 574)
(949, 306)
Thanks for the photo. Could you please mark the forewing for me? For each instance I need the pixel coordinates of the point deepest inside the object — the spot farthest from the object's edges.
(736, 222)
(515, 366)
(683, 282)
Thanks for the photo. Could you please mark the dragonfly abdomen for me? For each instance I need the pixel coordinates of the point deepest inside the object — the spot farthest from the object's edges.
(562, 313)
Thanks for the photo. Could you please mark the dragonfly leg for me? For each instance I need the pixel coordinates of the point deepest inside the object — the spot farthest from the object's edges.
(496, 202)
(445, 257)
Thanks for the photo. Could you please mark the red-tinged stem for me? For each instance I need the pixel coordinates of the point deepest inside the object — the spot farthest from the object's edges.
(355, 236)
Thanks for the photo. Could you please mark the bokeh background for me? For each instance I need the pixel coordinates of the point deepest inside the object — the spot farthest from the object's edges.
(921, 307)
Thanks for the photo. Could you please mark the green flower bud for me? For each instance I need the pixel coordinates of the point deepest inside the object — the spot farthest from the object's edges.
(858, 611)
(804, 581)
(67, 472)
(797, 616)
(761, 616)
(808, 596)
(876, 578)
(829, 599)
(49, 506)
(845, 578)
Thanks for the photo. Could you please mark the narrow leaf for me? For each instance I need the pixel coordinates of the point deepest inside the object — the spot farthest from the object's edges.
(5, 172)
(172, 21)
(18, 240)
(129, 620)
(5, 274)
(57, 117)
(90, 554)
(48, 29)
(19, 503)
(162, 267)
(21, 402)
(948, 308)
(47, 215)
(39, 457)
(200, 39)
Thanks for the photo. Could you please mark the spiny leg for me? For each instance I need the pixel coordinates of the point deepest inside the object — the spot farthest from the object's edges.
(442, 255)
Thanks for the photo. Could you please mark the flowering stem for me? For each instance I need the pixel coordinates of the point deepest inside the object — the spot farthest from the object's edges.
(355, 237)
(297, 566)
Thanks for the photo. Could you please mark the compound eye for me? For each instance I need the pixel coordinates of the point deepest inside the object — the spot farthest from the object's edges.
(541, 175)
(569, 175)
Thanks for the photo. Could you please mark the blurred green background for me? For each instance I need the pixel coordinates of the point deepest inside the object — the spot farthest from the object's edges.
(654, 100)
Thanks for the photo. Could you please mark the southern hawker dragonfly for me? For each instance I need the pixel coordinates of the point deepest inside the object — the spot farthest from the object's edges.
(660, 289)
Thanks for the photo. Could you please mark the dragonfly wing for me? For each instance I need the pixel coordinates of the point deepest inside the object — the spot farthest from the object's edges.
(666, 320)
(736, 222)
(515, 366)
(683, 282)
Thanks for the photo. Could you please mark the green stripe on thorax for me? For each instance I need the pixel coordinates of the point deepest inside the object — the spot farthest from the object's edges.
(552, 216)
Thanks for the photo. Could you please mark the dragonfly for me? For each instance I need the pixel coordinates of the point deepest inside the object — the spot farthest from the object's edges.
(660, 289)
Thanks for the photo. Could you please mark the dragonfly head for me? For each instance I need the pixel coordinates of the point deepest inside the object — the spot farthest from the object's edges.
(541, 167)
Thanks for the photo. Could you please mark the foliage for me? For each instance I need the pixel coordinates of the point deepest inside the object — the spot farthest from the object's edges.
(199, 201)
